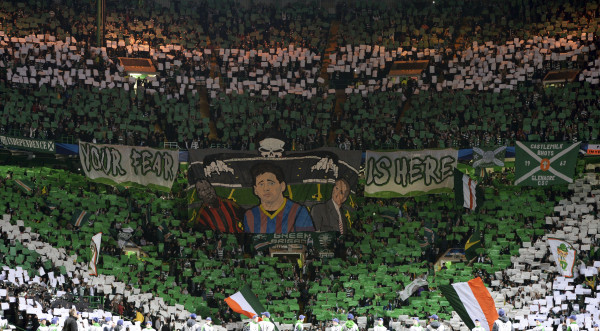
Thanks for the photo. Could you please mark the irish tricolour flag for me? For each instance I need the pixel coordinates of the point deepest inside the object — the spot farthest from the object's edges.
(245, 302)
(472, 300)
(466, 192)
(95, 252)
(25, 185)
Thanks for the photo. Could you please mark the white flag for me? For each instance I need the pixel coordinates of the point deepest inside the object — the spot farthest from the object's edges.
(412, 288)
(95, 247)
(564, 256)
(469, 195)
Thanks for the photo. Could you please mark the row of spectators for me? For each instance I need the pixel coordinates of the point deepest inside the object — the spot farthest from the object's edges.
(225, 24)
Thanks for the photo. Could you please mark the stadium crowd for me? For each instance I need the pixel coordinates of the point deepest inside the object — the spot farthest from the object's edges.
(280, 69)
(362, 258)
(502, 63)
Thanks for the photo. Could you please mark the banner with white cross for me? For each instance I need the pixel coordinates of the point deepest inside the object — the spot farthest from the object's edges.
(543, 164)
(484, 157)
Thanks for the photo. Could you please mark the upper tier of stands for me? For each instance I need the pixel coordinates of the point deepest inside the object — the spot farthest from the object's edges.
(216, 62)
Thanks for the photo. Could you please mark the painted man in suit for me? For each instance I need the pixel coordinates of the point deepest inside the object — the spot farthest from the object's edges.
(329, 216)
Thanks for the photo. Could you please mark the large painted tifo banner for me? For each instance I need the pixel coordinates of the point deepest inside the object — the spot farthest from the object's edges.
(409, 173)
(271, 190)
(129, 164)
(321, 241)
(543, 164)
(37, 145)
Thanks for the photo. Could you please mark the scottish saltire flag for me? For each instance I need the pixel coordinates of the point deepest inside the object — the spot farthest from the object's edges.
(485, 157)
(471, 300)
(95, 250)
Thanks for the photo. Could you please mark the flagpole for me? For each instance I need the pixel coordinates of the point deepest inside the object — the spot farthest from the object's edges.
(90, 254)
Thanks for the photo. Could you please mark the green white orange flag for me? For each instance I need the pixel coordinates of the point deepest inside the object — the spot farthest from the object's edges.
(95, 248)
(80, 217)
(245, 302)
(25, 185)
(466, 191)
(471, 300)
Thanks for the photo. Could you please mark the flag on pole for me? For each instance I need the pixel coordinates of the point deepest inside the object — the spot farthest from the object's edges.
(95, 248)
(245, 302)
(472, 245)
(428, 235)
(412, 288)
(564, 256)
(471, 300)
(466, 192)
(25, 185)
(163, 232)
(79, 217)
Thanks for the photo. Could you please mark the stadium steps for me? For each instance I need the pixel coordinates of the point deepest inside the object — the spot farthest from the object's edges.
(407, 106)
(214, 66)
(204, 106)
(340, 100)
(331, 47)
(460, 42)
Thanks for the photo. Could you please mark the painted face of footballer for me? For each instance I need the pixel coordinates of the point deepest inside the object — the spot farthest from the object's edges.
(269, 190)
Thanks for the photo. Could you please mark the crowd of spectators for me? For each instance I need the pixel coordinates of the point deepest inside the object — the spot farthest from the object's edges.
(384, 251)
(227, 74)
(210, 53)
